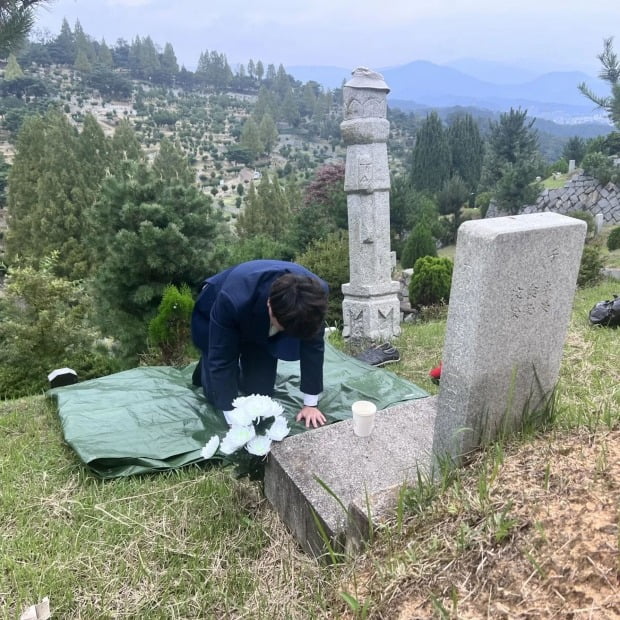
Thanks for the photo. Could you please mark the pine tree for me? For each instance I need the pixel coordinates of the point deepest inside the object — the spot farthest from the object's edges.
(169, 65)
(250, 138)
(12, 70)
(171, 164)
(267, 211)
(62, 49)
(466, 151)
(16, 20)
(430, 166)
(54, 180)
(513, 161)
(104, 56)
(150, 232)
(268, 133)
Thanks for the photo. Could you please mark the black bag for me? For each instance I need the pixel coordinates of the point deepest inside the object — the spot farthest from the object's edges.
(606, 313)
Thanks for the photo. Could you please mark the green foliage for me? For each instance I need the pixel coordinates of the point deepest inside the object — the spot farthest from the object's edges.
(586, 217)
(329, 259)
(323, 209)
(483, 200)
(513, 161)
(149, 230)
(613, 241)
(575, 149)
(44, 324)
(601, 167)
(431, 281)
(590, 266)
(419, 243)
(267, 209)
(561, 165)
(258, 246)
(610, 72)
(16, 20)
(466, 151)
(430, 166)
(169, 331)
(54, 179)
(516, 187)
(451, 199)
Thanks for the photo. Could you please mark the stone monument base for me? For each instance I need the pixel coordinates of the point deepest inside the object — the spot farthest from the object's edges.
(366, 474)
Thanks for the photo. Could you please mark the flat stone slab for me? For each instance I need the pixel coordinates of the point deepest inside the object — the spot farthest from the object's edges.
(364, 473)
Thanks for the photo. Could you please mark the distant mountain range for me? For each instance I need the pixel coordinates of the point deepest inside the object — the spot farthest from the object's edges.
(481, 84)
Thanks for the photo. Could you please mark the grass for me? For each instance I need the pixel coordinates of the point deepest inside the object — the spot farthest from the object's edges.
(196, 543)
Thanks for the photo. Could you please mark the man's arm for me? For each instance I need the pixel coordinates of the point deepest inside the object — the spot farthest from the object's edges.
(312, 353)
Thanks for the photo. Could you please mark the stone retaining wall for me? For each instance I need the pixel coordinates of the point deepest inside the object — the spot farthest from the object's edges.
(580, 193)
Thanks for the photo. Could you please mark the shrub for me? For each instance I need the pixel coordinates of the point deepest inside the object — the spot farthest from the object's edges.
(613, 241)
(419, 243)
(431, 281)
(329, 259)
(588, 218)
(483, 200)
(600, 167)
(257, 247)
(590, 267)
(169, 331)
(44, 324)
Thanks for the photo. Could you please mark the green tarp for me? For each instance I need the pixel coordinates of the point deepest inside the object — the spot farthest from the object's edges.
(152, 418)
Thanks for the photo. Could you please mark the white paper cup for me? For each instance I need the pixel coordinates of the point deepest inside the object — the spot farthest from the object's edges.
(363, 417)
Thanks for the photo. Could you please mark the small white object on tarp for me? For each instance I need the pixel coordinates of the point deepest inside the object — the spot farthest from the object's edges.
(62, 376)
(40, 611)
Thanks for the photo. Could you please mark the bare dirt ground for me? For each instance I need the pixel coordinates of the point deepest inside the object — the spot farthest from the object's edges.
(561, 559)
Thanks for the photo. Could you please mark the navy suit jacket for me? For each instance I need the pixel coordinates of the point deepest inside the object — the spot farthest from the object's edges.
(232, 310)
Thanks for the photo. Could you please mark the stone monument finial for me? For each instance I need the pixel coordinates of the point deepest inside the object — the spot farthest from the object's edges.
(367, 78)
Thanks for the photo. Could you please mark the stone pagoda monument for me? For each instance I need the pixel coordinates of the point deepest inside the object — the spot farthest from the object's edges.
(371, 307)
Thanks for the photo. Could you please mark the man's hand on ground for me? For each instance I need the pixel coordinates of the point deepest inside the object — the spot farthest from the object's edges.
(312, 416)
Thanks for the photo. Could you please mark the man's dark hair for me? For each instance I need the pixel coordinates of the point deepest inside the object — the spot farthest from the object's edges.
(299, 304)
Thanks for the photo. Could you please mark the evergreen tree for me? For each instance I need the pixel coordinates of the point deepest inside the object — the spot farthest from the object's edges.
(610, 72)
(82, 63)
(104, 56)
(466, 151)
(171, 164)
(125, 145)
(16, 20)
(430, 166)
(268, 133)
(169, 65)
(62, 48)
(575, 149)
(513, 161)
(260, 71)
(323, 209)
(250, 138)
(149, 232)
(419, 243)
(451, 200)
(267, 211)
(12, 70)
(83, 45)
(251, 69)
(50, 186)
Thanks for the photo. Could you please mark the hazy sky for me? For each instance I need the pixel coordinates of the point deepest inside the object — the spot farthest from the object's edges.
(557, 34)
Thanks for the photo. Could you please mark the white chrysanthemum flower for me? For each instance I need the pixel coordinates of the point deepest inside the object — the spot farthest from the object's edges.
(258, 406)
(279, 429)
(260, 445)
(236, 438)
(240, 416)
(210, 447)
